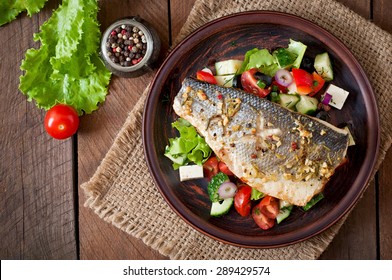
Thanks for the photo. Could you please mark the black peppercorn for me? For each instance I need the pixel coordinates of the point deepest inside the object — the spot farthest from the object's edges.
(126, 41)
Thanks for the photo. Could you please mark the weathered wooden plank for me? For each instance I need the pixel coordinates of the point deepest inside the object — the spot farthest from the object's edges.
(385, 209)
(98, 239)
(382, 16)
(36, 177)
(179, 12)
(357, 239)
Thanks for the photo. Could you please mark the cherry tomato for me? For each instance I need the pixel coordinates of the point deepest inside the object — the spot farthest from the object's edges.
(242, 200)
(281, 88)
(223, 167)
(205, 77)
(269, 206)
(211, 167)
(249, 83)
(318, 83)
(262, 220)
(61, 121)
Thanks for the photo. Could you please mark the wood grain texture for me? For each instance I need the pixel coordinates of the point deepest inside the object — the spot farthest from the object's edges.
(98, 239)
(179, 11)
(382, 17)
(365, 211)
(382, 14)
(36, 171)
(385, 209)
(37, 188)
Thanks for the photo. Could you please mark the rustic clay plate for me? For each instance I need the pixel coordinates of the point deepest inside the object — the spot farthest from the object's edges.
(231, 37)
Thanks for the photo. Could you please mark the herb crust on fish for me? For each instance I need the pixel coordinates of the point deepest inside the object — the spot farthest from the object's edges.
(279, 152)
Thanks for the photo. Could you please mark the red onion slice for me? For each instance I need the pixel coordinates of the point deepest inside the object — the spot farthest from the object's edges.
(227, 190)
(283, 77)
(327, 98)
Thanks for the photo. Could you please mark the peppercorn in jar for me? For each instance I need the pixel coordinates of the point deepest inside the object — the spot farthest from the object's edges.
(130, 47)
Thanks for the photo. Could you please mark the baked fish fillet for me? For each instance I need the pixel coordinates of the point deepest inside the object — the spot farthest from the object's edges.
(275, 150)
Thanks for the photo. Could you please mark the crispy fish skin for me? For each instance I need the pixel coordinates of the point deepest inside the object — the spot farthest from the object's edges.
(275, 150)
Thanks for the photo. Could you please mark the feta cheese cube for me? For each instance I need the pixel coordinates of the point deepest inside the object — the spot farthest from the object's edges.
(338, 94)
(189, 172)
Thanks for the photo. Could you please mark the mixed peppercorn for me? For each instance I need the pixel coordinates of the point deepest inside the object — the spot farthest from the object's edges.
(126, 45)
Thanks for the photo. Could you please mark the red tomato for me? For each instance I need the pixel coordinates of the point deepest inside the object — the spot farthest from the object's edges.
(307, 83)
(269, 206)
(211, 167)
(249, 83)
(262, 220)
(280, 87)
(303, 80)
(223, 167)
(242, 200)
(318, 83)
(61, 121)
(205, 77)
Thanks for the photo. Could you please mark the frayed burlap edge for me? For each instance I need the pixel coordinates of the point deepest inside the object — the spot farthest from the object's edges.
(129, 137)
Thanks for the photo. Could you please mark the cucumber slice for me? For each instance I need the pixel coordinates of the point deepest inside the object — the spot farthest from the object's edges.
(306, 105)
(225, 81)
(220, 208)
(227, 67)
(288, 100)
(323, 66)
(284, 213)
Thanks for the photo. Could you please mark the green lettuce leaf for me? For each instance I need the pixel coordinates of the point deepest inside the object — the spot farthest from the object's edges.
(10, 9)
(263, 60)
(66, 68)
(298, 49)
(188, 147)
(268, 63)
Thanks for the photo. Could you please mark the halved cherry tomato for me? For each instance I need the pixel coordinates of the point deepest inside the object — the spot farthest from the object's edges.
(281, 88)
(211, 167)
(262, 220)
(205, 77)
(242, 200)
(318, 83)
(223, 167)
(269, 206)
(249, 83)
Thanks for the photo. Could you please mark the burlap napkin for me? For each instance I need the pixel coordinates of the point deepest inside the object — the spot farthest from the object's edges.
(122, 192)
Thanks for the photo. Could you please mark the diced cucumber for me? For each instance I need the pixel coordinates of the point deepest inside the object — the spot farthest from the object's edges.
(313, 201)
(288, 100)
(284, 213)
(225, 81)
(227, 67)
(220, 208)
(323, 66)
(306, 105)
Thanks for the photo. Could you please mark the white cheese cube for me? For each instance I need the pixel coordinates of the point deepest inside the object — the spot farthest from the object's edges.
(189, 172)
(338, 94)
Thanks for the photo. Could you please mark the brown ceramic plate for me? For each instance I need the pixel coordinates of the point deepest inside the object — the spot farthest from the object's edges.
(231, 37)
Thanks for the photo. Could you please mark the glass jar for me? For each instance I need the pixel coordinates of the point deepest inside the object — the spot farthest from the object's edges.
(130, 47)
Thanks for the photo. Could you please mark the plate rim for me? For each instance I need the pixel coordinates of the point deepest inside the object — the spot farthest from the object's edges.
(347, 201)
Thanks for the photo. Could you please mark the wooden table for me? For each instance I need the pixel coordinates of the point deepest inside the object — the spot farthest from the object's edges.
(42, 214)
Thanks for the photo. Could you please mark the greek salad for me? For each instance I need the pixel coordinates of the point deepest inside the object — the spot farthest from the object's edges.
(285, 76)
